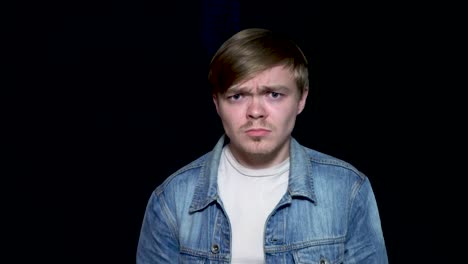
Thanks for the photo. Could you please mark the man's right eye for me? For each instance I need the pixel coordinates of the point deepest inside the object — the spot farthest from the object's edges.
(235, 97)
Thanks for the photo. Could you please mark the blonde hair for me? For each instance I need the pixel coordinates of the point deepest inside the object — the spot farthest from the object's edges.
(251, 51)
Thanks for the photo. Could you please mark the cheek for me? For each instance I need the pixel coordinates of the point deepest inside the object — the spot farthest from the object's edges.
(286, 115)
(230, 117)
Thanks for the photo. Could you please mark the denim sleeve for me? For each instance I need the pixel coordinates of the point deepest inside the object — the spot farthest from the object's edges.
(158, 241)
(364, 241)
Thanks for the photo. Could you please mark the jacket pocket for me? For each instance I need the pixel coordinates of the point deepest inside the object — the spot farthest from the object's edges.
(320, 254)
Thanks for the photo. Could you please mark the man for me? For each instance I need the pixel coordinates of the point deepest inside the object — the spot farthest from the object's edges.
(259, 196)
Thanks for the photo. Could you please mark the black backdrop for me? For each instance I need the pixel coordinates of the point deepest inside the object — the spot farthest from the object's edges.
(113, 98)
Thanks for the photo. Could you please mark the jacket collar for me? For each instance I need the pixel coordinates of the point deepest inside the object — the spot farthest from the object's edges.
(300, 176)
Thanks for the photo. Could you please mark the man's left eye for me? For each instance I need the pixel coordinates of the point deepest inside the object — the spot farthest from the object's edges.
(275, 95)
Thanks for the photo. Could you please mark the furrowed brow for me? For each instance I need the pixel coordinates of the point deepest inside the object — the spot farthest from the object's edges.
(275, 88)
(238, 89)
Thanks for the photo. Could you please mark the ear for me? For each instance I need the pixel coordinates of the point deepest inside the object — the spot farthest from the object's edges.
(302, 100)
(215, 101)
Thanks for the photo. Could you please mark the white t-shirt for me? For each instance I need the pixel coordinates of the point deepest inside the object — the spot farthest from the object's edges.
(249, 196)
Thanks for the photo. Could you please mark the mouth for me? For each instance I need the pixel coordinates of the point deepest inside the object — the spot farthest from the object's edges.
(257, 132)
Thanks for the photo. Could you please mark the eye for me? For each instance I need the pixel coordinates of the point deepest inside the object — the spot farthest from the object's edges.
(235, 97)
(275, 95)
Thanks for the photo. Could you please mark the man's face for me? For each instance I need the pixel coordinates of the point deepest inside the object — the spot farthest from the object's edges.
(258, 115)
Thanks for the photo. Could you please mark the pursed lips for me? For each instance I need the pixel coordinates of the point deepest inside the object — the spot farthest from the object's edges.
(257, 131)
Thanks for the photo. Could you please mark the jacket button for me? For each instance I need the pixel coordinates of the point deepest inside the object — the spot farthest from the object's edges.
(215, 249)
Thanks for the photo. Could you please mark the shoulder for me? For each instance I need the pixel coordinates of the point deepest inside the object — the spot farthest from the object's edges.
(331, 175)
(323, 163)
(184, 177)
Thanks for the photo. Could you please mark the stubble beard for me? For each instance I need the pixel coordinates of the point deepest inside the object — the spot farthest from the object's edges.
(259, 150)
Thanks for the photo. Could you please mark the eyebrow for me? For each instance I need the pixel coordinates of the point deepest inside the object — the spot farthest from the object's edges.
(243, 89)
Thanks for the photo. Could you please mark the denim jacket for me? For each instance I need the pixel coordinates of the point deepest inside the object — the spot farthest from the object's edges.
(328, 215)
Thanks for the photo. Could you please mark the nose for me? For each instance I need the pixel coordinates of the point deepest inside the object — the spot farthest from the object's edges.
(256, 109)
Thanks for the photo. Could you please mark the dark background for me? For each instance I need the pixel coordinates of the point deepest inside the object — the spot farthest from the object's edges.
(113, 97)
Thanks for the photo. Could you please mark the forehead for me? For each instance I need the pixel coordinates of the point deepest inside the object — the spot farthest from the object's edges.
(275, 76)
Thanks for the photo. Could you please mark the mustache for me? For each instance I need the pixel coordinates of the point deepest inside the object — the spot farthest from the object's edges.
(251, 124)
